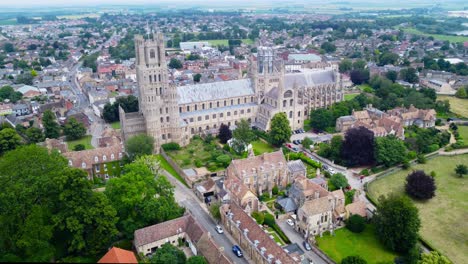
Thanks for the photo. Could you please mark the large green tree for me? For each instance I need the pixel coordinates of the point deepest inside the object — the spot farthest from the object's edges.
(243, 133)
(433, 257)
(197, 260)
(7, 92)
(141, 196)
(74, 129)
(139, 145)
(321, 119)
(168, 254)
(34, 135)
(389, 150)
(175, 64)
(48, 210)
(397, 223)
(51, 127)
(339, 180)
(280, 131)
(353, 260)
(9, 140)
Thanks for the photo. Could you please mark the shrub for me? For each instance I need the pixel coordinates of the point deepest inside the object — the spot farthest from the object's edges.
(356, 223)
(349, 196)
(438, 122)
(224, 160)
(259, 217)
(433, 174)
(208, 139)
(170, 146)
(433, 147)
(339, 180)
(353, 260)
(186, 162)
(365, 172)
(264, 197)
(198, 163)
(269, 220)
(406, 165)
(226, 148)
(419, 185)
(275, 190)
(421, 159)
(79, 147)
(412, 155)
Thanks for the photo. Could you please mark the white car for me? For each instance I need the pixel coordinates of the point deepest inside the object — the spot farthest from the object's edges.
(290, 222)
(331, 170)
(219, 229)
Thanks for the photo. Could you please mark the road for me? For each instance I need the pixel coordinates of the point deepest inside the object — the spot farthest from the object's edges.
(186, 198)
(295, 237)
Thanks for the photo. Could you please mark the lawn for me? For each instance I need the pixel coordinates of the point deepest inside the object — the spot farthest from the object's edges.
(260, 147)
(450, 38)
(276, 238)
(345, 243)
(348, 97)
(167, 167)
(364, 87)
(463, 131)
(457, 105)
(216, 42)
(115, 125)
(86, 141)
(443, 217)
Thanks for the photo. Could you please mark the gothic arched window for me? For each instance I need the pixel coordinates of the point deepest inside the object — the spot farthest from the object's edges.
(152, 54)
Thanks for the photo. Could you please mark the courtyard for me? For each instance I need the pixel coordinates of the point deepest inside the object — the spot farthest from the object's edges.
(443, 218)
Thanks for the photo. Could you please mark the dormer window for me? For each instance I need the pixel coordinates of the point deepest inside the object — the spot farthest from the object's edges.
(96, 159)
(70, 163)
(112, 156)
(83, 165)
(104, 158)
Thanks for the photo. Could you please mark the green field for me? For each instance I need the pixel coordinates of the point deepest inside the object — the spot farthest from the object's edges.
(167, 167)
(463, 131)
(216, 42)
(91, 15)
(444, 224)
(346, 243)
(115, 125)
(86, 141)
(348, 97)
(260, 147)
(436, 36)
(6, 22)
(457, 105)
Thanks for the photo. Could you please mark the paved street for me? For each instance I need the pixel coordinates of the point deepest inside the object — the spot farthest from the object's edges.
(186, 198)
(297, 238)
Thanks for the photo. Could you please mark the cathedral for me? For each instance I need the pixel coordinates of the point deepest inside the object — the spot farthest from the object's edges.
(171, 113)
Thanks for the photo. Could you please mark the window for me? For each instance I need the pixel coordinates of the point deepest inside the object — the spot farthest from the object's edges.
(207, 117)
(232, 102)
(203, 106)
(214, 116)
(112, 156)
(211, 105)
(96, 159)
(284, 103)
(242, 111)
(70, 163)
(235, 112)
(167, 119)
(162, 119)
(163, 136)
(299, 114)
(192, 130)
(188, 108)
(228, 113)
(152, 54)
(167, 110)
(224, 102)
(106, 176)
(199, 118)
(105, 167)
(290, 114)
(191, 119)
(245, 100)
(98, 168)
(291, 102)
(238, 101)
(168, 135)
(196, 108)
(151, 79)
(248, 110)
(120, 155)
(221, 114)
(180, 109)
(104, 158)
(217, 104)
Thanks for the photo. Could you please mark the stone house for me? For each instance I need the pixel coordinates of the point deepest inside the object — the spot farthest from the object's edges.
(239, 194)
(255, 243)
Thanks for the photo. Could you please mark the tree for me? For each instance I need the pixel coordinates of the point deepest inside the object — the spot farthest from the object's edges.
(397, 223)
(339, 180)
(9, 140)
(392, 75)
(8, 47)
(410, 75)
(280, 131)
(420, 186)
(321, 118)
(175, 64)
(34, 135)
(462, 92)
(7, 92)
(259, 217)
(389, 150)
(345, 66)
(307, 142)
(214, 210)
(197, 77)
(197, 260)
(111, 111)
(388, 58)
(243, 133)
(353, 260)
(358, 147)
(433, 257)
(141, 196)
(79, 147)
(359, 76)
(51, 127)
(328, 47)
(25, 78)
(224, 134)
(74, 129)
(461, 169)
(48, 205)
(139, 145)
(356, 223)
(168, 254)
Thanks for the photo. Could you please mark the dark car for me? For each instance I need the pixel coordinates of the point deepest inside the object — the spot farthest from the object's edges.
(306, 246)
(237, 251)
(325, 167)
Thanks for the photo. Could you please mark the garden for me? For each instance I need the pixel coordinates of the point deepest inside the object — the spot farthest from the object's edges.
(443, 217)
(365, 244)
(85, 141)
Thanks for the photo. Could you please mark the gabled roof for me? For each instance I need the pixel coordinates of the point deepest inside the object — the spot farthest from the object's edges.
(214, 91)
(287, 204)
(118, 255)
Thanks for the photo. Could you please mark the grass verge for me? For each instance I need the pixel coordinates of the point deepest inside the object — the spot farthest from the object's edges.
(167, 167)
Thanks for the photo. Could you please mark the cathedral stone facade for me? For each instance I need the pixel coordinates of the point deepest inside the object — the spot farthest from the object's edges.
(174, 114)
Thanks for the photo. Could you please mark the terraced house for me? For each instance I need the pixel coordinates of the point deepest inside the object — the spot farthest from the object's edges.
(174, 114)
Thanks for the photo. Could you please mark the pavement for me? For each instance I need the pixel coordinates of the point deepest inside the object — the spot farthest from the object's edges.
(295, 237)
(186, 198)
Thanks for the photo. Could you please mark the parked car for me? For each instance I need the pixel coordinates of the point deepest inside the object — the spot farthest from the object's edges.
(302, 130)
(237, 251)
(219, 229)
(290, 222)
(331, 170)
(306, 246)
(296, 142)
(325, 167)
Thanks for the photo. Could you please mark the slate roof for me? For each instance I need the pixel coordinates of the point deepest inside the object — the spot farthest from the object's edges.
(214, 91)
(287, 204)
(296, 166)
(309, 78)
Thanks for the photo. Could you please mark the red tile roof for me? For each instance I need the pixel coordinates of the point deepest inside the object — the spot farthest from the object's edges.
(118, 255)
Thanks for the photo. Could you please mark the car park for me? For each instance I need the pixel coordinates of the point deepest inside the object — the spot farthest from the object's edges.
(219, 229)
(237, 251)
